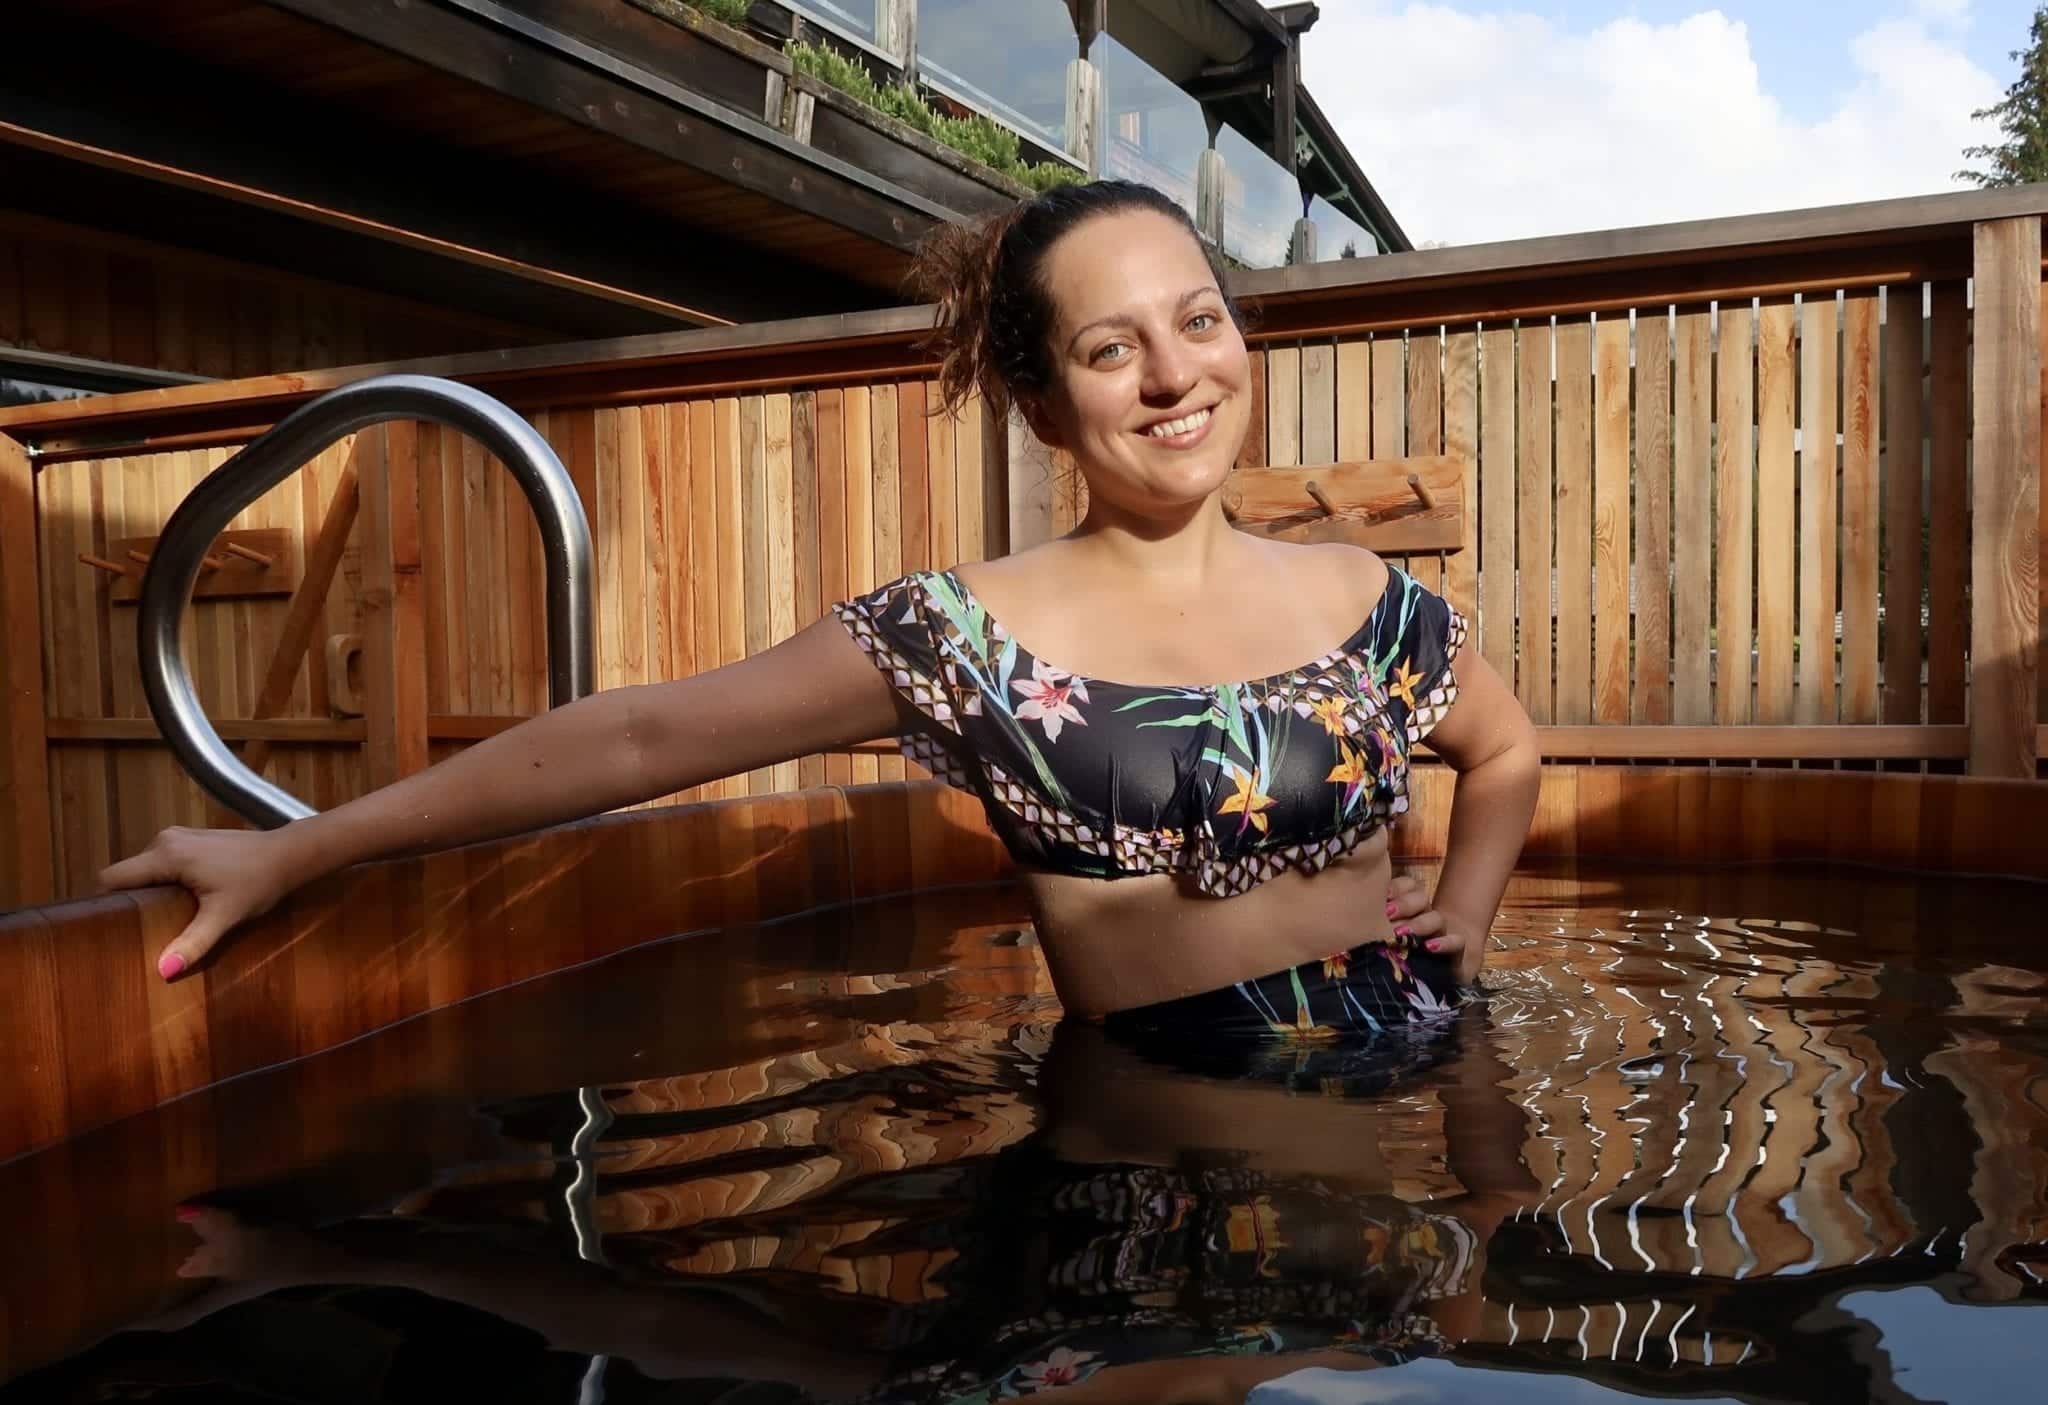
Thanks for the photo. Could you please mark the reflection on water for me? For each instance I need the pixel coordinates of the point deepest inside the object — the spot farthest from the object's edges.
(1681, 1149)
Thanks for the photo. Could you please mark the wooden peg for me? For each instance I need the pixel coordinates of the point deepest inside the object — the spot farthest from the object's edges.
(1422, 493)
(140, 558)
(237, 549)
(1322, 498)
(101, 563)
(210, 563)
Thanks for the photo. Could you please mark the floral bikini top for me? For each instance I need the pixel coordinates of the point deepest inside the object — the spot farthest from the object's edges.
(1231, 783)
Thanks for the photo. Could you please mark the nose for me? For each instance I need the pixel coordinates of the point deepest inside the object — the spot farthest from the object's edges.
(1170, 371)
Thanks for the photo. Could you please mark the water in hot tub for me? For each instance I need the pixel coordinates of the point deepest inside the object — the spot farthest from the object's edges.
(1726, 1134)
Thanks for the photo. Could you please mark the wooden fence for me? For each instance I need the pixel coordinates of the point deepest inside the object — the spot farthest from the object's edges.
(1690, 453)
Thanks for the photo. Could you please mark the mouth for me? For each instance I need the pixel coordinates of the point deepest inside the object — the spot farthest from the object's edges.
(1183, 431)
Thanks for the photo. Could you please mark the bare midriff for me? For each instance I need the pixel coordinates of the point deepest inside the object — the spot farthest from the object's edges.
(1115, 944)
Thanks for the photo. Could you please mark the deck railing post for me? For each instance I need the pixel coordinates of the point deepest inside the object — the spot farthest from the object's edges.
(27, 863)
(2005, 500)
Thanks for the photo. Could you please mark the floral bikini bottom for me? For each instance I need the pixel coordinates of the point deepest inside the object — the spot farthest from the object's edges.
(1349, 1023)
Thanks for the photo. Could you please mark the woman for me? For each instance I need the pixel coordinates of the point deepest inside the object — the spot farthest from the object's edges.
(1191, 739)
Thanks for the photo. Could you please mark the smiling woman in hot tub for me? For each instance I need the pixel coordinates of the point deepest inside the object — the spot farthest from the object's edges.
(1190, 739)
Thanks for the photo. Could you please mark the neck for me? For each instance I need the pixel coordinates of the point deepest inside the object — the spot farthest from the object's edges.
(1174, 554)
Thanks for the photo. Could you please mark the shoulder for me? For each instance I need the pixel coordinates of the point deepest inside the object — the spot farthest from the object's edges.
(1350, 571)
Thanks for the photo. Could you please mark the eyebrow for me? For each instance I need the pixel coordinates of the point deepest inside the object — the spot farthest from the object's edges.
(1123, 319)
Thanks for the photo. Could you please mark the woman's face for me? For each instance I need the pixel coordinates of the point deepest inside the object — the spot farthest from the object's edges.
(1150, 388)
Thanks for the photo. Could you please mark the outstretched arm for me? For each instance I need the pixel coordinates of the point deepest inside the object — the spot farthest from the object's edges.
(814, 692)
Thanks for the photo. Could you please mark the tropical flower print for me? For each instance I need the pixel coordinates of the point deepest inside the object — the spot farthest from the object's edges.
(1402, 684)
(1063, 1367)
(1049, 698)
(1397, 962)
(1230, 784)
(1350, 773)
(1336, 965)
(1427, 1003)
(1248, 800)
(1332, 712)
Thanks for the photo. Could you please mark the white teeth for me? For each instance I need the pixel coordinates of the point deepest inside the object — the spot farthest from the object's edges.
(1183, 425)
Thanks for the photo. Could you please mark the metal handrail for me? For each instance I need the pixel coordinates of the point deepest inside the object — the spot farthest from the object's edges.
(270, 459)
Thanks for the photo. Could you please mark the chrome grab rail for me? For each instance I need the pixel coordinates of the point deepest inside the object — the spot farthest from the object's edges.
(271, 458)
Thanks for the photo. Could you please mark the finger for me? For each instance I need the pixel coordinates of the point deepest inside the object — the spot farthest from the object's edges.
(150, 866)
(1421, 926)
(205, 929)
(1407, 902)
(1402, 883)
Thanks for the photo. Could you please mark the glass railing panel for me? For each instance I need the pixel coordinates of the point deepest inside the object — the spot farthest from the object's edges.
(855, 18)
(1337, 234)
(1153, 132)
(1261, 202)
(1008, 60)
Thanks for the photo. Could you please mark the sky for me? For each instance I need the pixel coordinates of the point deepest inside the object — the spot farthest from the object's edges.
(1479, 120)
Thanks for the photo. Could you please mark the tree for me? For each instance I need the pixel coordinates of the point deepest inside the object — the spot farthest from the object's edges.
(2023, 156)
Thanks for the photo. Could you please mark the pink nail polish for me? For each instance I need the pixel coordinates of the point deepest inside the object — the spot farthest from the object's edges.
(1404, 931)
(1393, 910)
(1433, 944)
(170, 965)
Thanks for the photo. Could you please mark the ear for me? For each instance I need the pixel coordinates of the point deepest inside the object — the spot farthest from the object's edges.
(1033, 408)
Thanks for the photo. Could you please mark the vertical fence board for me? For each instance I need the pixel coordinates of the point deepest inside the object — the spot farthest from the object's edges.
(1651, 703)
(1948, 500)
(2005, 622)
(1496, 499)
(1318, 403)
(1859, 505)
(1692, 519)
(1461, 442)
(1283, 406)
(732, 540)
(803, 508)
(782, 573)
(1818, 475)
(1425, 417)
(1734, 482)
(1776, 514)
(1899, 550)
(1611, 535)
(857, 487)
(913, 482)
(1354, 399)
(842, 509)
(1573, 495)
(1532, 530)
(885, 494)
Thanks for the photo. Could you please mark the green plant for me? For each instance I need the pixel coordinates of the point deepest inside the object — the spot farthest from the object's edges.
(732, 12)
(977, 138)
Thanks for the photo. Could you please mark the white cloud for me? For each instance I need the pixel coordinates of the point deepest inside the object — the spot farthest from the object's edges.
(1478, 124)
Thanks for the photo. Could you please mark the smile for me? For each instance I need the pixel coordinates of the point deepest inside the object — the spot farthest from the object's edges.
(1185, 428)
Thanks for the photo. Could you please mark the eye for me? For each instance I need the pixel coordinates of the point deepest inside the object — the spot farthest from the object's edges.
(1104, 353)
(1201, 322)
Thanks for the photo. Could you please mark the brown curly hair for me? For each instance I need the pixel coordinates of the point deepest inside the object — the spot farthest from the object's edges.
(995, 312)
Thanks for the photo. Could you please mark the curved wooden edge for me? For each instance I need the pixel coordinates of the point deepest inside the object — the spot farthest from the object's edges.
(384, 942)
(381, 943)
(1739, 815)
